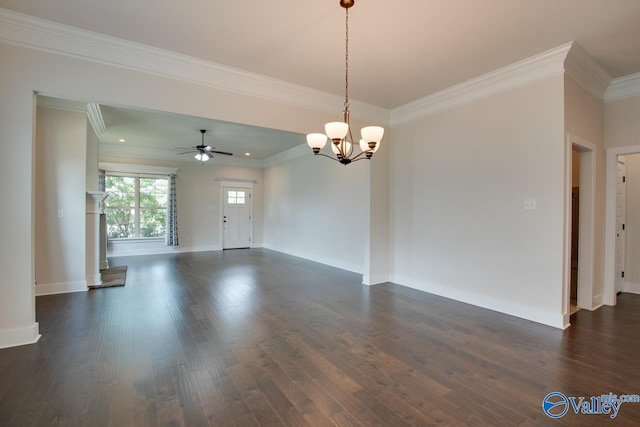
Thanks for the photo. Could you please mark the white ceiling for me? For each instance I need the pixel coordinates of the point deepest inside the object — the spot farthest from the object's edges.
(170, 134)
(399, 51)
(161, 135)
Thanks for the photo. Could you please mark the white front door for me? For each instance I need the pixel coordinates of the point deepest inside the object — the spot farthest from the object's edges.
(621, 211)
(236, 218)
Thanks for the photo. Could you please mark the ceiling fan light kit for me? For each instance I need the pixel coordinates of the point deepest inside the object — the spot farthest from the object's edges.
(205, 152)
(203, 157)
(340, 132)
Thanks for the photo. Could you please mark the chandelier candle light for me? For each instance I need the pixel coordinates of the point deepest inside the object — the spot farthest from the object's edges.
(340, 132)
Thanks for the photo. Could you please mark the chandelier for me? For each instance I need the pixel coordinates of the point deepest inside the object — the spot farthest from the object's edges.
(340, 132)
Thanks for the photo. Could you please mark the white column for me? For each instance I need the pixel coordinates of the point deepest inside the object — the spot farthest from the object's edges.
(94, 209)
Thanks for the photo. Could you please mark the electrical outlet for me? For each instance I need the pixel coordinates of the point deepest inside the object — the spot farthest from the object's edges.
(530, 205)
(60, 213)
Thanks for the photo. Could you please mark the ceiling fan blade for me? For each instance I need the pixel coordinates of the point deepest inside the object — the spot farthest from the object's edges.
(221, 152)
(188, 152)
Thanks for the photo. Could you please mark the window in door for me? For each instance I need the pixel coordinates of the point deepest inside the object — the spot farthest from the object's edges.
(236, 197)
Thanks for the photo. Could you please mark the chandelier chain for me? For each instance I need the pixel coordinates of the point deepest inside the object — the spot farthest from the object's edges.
(346, 63)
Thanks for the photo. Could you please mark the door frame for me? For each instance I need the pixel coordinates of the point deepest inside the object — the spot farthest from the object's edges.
(611, 170)
(586, 227)
(620, 229)
(246, 185)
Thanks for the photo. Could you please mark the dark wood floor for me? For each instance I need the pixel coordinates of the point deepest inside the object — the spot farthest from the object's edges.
(254, 337)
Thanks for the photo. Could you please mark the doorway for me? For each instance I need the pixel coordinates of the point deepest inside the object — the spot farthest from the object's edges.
(580, 227)
(621, 212)
(575, 228)
(622, 236)
(236, 217)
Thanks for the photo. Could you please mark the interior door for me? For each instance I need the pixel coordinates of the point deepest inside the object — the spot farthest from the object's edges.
(621, 210)
(236, 218)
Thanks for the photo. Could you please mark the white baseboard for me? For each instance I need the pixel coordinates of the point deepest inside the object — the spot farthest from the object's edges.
(374, 279)
(632, 288)
(555, 320)
(200, 248)
(60, 288)
(316, 258)
(21, 336)
(163, 250)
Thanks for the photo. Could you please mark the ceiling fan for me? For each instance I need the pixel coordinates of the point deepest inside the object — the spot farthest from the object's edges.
(204, 152)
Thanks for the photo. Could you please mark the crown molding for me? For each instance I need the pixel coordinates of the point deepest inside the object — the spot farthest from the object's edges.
(95, 118)
(582, 68)
(28, 31)
(623, 87)
(290, 154)
(48, 36)
(521, 73)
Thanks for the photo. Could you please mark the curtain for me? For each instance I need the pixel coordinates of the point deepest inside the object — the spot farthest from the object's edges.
(102, 180)
(171, 234)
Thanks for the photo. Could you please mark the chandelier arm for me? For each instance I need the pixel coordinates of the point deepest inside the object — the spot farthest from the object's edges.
(352, 142)
(328, 157)
(359, 156)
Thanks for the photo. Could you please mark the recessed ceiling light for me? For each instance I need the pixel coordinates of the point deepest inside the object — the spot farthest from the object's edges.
(247, 154)
(122, 140)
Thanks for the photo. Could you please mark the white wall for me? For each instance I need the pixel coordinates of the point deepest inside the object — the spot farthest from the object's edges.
(632, 252)
(200, 202)
(17, 219)
(25, 71)
(377, 249)
(622, 122)
(458, 158)
(60, 188)
(318, 209)
(458, 182)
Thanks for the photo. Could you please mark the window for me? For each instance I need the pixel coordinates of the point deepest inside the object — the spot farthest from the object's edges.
(137, 207)
(236, 198)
